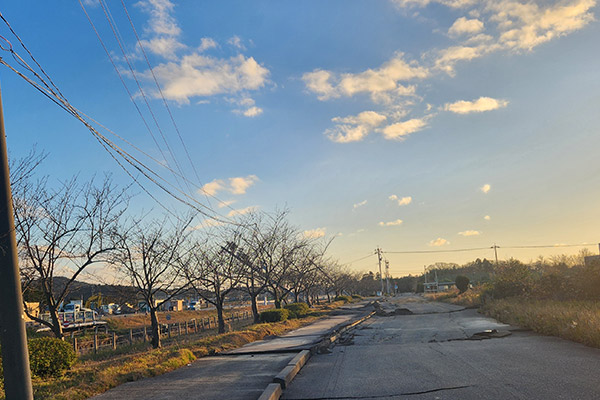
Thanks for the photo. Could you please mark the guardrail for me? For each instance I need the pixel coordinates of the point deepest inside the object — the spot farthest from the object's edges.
(111, 340)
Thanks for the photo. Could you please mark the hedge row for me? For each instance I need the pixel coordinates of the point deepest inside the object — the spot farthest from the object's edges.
(47, 356)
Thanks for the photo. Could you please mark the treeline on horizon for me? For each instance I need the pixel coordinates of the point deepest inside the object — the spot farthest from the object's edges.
(560, 277)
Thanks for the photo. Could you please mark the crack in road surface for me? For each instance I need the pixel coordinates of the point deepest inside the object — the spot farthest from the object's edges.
(384, 395)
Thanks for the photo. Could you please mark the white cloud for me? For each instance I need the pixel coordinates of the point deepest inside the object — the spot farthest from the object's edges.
(236, 42)
(195, 74)
(207, 43)
(398, 130)
(226, 203)
(253, 112)
(374, 82)
(314, 233)
(469, 233)
(401, 201)
(439, 242)
(486, 188)
(163, 46)
(240, 184)
(199, 75)
(524, 26)
(447, 58)
(391, 223)
(357, 205)
(211, 188)
(480, 105)
(465, 26)
(236, 185)
(354, 128)
(487, 217)
(242, 211)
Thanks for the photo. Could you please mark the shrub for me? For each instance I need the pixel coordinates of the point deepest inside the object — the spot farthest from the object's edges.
(274, 315)
(345, 299)
(462, 283)
(297, 310)
(50, 356)
(512, 279)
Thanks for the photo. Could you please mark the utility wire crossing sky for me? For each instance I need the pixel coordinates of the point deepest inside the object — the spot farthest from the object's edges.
(413, 125)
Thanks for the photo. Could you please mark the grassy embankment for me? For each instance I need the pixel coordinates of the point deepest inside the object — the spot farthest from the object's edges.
(576, 320)
(94, 374)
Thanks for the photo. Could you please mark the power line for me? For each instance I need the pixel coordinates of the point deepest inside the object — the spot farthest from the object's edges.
(117, 36)
(435, 251)
(122, 80)
(160, 90)
(109, 146)
(548, 246)
(359, 259)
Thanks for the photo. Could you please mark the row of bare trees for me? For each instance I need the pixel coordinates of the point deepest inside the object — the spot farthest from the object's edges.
(67, 231)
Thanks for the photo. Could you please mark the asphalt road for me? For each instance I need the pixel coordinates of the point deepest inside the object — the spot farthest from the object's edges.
(431, 355)
(240, 374)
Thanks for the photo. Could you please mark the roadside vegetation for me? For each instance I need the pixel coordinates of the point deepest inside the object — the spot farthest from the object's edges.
(95, 373)
(557, 297)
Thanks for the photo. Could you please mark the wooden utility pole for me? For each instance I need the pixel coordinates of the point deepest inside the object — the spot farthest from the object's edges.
(379, 257)
(15, 356)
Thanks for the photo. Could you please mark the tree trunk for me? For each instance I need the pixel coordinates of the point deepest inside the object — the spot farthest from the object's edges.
(220, 319)
(155, 329)
(255, 312)
(277, 299)
(57, 328)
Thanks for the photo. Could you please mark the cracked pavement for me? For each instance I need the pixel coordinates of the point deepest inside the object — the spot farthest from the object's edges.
(428, 355)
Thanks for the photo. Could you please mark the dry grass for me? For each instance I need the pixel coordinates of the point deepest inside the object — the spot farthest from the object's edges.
(94, 375)
(470, 298)
(578, 321)
(132, 321)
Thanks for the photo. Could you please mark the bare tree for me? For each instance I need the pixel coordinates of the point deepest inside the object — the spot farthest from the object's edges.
(150, 254)
(214, 269)
(61, 232)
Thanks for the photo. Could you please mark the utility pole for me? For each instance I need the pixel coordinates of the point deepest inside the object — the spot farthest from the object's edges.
(379, 258)
(496, 252)
(15, 356)
(387, 276)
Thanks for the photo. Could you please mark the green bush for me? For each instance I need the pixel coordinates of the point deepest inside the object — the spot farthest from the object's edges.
(50, 356)
(462, 283)
(345, 299)
(275, 315)
(297, 310)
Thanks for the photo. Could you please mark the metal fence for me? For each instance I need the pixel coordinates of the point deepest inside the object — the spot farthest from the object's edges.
(110, 340)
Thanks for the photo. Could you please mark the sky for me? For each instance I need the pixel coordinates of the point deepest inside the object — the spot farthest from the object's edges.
(409, 125)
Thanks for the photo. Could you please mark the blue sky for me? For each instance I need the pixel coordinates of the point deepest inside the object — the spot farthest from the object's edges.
(404, 124)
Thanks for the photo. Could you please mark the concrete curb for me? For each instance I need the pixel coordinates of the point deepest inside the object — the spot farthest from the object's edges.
(289, 372)
(283, 379)
(336, 334)
(272, 392)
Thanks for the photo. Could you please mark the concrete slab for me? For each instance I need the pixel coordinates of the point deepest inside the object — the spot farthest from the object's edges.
(300, 339)
(242, 377)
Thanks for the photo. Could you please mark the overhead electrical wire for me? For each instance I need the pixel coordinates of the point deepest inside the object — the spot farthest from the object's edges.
(52, 92)
(436, 251)
(160, 91)
(131, 97)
